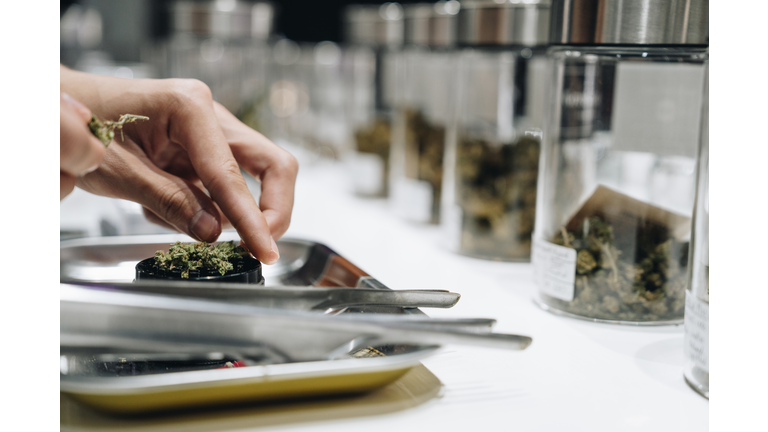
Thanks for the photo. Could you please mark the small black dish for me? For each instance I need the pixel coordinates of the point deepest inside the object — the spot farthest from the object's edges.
(246, 270)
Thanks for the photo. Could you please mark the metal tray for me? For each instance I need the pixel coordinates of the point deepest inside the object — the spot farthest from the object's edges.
(302, 263)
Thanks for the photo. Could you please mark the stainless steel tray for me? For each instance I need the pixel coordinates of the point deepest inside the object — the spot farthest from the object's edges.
(302, 263)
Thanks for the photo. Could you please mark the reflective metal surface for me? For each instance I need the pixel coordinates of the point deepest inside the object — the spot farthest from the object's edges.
(646, 22)
(380, 25)
(288, 297)
(301, 263)
(416, 22)
(224, 19)
(443, 23)
(490, 23)
(98, 321)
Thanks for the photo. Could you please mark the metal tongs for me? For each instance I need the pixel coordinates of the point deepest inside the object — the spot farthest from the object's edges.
(97, 321)
(289, 297)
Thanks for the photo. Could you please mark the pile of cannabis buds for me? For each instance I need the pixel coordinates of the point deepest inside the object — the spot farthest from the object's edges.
(632, 271)
(190, 256)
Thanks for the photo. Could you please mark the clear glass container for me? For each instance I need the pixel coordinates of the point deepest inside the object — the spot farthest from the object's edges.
(492, 152)
(696, 370)
(493, 156)
(616, 186)
(223, 45)
(428, 77)
(288, 94)
(326, 131)
(370, 119)
(375, 35)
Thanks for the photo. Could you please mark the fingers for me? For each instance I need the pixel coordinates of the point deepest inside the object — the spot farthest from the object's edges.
(275, 167)
(127, 173)
(81, 152)
(66, 184)
(155, 219)
(195, 127)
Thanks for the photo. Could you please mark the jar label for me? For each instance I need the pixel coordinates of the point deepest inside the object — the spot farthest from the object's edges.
(413, 199)
(697, 331)
(554, 269)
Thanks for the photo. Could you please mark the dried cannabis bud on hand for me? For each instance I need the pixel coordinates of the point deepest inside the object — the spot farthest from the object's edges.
(105, 130)
(190, 256)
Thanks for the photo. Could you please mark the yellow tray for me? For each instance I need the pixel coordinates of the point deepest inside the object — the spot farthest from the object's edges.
(160, 392)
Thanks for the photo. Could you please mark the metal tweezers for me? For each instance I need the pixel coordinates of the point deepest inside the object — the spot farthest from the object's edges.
(100, 320)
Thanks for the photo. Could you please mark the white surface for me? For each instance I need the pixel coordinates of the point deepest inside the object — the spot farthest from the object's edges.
(413, 199)
(576, 376)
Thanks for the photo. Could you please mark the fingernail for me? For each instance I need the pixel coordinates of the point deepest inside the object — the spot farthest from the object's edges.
(274, 254)
(204, 226)
(76, 104)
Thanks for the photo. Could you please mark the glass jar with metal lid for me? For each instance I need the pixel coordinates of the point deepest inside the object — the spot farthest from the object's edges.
(427, 76)
(616, 187)
(492, 155)
(374, 35)
(225, 45)
(697, 295)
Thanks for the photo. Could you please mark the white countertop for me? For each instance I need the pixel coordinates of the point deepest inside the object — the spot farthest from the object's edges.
(576, 376)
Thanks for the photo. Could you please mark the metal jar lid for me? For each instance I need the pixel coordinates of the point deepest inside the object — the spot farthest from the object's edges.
(226, 19)
(630, 22)
(443, 23)
(432, 24)
(416, 21)
(504, 22)
(379, 25)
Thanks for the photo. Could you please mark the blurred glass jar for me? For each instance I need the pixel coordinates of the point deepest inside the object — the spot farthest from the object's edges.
(290, 69)
(697, 295)
(374, 35)
(427, 73)
(223, 44)
(492, 156)
(616, 190)
(326, 130)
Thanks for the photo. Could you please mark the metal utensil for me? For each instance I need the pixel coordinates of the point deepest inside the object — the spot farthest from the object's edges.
(102, 321)
(287, 297)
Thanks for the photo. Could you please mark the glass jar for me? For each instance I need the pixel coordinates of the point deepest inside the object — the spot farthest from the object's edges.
(328, 126)
(288, 94)
(428, 62)
(616, 193)
(697, 295)
(374, 35)
(222, 45)
(492, 157)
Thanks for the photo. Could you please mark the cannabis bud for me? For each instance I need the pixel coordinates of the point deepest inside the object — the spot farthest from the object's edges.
(105, 130)
(190, 256)
(628, 271)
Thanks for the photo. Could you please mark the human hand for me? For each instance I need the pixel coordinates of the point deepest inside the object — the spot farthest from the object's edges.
(189, 149)
(81, 152)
